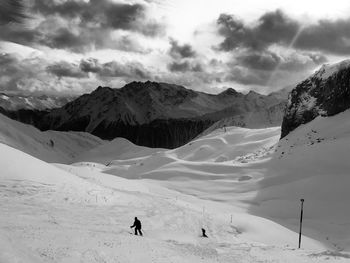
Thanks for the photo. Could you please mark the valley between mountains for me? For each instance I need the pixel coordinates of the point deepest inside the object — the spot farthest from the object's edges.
(68, 195)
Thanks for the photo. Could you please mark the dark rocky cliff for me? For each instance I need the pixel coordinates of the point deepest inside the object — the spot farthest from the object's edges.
(325, 93)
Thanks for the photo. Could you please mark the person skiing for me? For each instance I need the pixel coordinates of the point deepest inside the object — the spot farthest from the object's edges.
(203, 233)
(137, 225)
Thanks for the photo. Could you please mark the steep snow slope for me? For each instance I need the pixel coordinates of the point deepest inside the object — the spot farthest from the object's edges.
(50, 146)
(312, 163)
(81, 215)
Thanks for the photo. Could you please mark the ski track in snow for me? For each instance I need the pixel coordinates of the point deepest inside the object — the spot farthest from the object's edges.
(36, 217)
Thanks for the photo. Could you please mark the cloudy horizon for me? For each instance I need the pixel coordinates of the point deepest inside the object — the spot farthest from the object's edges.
(69, 47)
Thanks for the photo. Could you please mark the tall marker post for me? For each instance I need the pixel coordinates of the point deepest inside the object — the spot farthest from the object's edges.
(301, 220)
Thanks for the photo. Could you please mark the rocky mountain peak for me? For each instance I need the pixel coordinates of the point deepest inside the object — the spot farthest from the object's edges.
(325, 93)
(328, 70)
(230, 92)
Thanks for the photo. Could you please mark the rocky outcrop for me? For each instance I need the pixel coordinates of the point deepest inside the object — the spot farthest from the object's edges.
(325, 93)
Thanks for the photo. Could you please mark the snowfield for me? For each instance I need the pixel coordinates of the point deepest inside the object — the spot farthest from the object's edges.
(50, 146)
(242, 185)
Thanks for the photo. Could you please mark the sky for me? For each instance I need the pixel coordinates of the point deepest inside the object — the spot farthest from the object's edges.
(69, 47)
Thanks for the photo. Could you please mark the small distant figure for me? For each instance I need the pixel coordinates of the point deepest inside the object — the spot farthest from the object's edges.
(203, 233)
(137, 225)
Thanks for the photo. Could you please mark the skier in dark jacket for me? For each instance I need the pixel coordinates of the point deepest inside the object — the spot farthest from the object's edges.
(203, 233)
(137, 225)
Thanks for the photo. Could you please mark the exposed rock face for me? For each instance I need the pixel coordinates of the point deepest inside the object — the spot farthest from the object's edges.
(325, 93)
(154, 114)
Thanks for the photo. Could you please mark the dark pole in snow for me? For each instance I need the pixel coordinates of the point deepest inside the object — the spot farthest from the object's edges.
(301, 219)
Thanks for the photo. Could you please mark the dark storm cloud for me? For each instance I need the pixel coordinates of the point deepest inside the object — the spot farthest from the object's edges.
(102, 14)
(247, 77)
(255, 60)
(269, 61)
(90, 65)
(331, 36)
(185, 66)
(114, 69)
(12, 11)
(277, 28)
(81, 26)
(39, 75)
(65, 69)
(181, 51)
(272, 28)
(18, 34)
(63, 38)
(13, 70)
(260, 68)
(261, 60)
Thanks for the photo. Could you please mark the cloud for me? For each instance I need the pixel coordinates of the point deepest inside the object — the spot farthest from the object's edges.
(14, 72)
(66, 69)
(271, 28)
(181, 51)
(64, 38)
(185, 66)
(276, 28)
(12, 11)
(269, 68)
(81, 26)
(35, 75)
(90, 65)
(103, 14)
(270, 50)
(268, 60)
(115, 69)
(326, 35)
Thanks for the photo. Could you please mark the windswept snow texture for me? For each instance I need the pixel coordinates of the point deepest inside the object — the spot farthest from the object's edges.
(242, 185)
(255, 173)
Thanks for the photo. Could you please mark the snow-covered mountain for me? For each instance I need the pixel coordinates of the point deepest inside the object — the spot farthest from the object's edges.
(139, 103)
(155, 114)
(325, 93)
(14, 102)
(50, 146)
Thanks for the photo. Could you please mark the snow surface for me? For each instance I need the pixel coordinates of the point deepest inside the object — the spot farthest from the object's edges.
(50, 146)
(242, 185)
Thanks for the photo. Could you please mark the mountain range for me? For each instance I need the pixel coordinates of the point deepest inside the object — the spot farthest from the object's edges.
(13, 102)
(155, 114)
